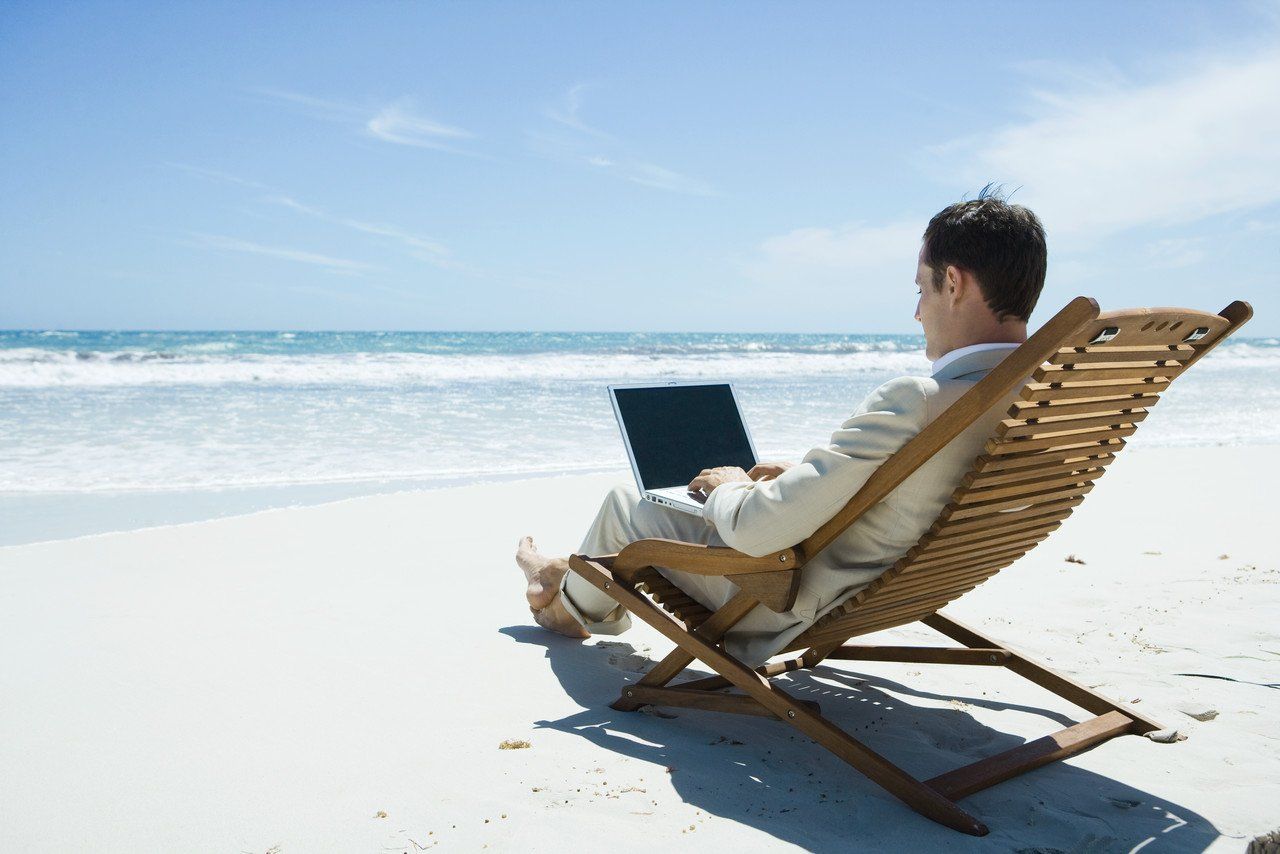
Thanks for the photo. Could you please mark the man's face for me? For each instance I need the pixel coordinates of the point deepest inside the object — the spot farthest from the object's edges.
(931, 310)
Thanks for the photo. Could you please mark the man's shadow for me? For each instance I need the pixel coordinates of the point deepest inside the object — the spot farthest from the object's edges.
(765, 774)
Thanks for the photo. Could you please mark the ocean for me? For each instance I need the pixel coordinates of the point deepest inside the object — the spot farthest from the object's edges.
(108, 431)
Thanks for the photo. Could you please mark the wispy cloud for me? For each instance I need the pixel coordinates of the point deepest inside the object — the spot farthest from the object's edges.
(423, 248)
(661, 178)
(398, 122)
(318, 107)
(1104, 154)
(315, 259)
(215, 175)
(566, 113)
(576, 141)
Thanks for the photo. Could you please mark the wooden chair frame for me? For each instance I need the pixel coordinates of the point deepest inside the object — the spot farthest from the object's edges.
(1104, 372)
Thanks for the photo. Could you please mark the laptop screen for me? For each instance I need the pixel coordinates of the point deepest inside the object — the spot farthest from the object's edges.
(676, 431)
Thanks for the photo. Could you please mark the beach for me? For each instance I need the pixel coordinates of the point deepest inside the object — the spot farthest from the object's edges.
(340, 677)
(312, 314)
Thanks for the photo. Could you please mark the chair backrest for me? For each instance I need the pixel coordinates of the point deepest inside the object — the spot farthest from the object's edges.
(1099, 381)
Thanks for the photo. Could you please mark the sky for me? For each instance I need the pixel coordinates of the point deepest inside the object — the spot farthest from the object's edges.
(620, 166)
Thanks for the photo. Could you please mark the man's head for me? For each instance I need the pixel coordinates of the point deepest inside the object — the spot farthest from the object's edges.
(981, 268)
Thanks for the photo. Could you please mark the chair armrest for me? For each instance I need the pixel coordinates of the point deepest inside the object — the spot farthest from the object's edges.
(701, 560)
(774, 579)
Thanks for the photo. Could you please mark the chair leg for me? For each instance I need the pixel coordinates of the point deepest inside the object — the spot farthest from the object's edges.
(712, 629)
(1067, 689)
(984, 773)
(920, 797)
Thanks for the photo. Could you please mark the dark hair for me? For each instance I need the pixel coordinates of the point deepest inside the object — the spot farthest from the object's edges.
(1001, 244)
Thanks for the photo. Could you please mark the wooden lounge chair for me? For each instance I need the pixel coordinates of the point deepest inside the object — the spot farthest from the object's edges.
(1093, 379)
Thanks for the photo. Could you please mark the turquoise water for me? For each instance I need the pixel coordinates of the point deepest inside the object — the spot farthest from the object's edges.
(188, 425)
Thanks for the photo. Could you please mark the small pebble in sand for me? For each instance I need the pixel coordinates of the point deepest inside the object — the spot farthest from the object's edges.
(514, 744)
(1165, 736)
(1074, 559)
(1200, 713)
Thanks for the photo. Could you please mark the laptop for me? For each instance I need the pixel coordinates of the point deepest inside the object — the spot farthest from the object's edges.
(674, 430)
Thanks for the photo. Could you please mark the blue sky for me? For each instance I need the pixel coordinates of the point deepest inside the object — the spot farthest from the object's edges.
(702, 166)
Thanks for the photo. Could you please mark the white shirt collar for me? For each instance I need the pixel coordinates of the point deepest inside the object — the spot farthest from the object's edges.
(947, 358)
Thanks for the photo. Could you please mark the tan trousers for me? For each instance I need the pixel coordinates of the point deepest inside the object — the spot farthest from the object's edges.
(625, 517)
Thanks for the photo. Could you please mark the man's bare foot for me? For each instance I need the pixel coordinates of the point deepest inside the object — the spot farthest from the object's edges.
(543, 575)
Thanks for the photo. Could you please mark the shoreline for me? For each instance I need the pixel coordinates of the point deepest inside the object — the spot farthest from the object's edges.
(56, 516)
(103, 512)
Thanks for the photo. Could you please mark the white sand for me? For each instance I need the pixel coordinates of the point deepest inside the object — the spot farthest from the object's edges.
(274, 681)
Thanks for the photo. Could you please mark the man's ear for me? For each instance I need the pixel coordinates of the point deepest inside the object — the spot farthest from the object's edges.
(955, 283)
(960, 284)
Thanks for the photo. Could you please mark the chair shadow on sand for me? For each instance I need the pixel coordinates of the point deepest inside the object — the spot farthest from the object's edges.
(766, 775)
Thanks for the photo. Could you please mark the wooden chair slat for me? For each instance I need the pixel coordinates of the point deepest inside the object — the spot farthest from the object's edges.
(966, 559)
(916, 577)
(693, 618)
(920, 581)
(1026, 499)
(1088, 355)
(890, 605)
(1014, 428)
(1101, 388)
(905, 579)
(1055, 468)
(932, 546)
(859, 623)
(999, 521)
(891, 602)
(1088, 373)
(1083, 452)
(1048, 521)
(1000, 447)
(1023, 410)
(1024, 487)
(981, 546)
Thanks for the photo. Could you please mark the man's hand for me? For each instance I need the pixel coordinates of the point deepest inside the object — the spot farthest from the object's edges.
(711, 478)
(768, 471)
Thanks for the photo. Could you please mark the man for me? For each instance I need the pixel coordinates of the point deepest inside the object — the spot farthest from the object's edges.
(979, 273)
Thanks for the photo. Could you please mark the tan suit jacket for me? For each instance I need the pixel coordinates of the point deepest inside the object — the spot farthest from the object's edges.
(762, 517)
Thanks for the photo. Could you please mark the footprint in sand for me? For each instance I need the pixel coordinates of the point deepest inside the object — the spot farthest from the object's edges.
(624, 656)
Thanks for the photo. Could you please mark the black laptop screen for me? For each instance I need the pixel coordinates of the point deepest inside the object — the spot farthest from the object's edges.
(677, 431)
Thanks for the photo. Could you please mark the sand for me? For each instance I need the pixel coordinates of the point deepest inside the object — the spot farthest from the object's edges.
(344, 677)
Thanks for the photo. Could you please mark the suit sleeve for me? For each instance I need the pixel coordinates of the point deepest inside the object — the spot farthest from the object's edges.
(763, 517)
